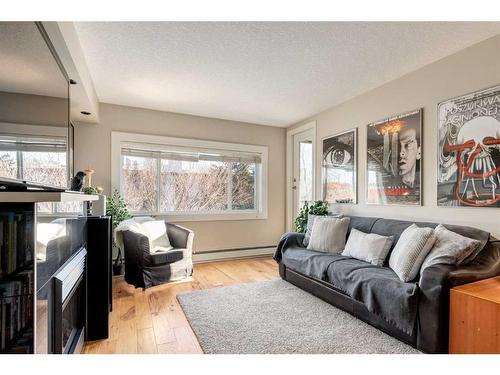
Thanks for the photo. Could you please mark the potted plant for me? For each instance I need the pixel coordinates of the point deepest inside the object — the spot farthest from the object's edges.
(116, 207)
(318, 208)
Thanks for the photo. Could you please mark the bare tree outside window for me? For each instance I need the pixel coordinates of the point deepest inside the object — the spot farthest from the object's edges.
(140, 184)
(187, 186)
(193, 186)
(8, 164)
(46, 168)
(243, 192)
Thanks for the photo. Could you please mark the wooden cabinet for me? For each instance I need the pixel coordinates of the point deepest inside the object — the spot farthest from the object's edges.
(475, 317)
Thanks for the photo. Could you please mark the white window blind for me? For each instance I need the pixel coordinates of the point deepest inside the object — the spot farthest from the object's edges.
(31, 144)
(189, 154)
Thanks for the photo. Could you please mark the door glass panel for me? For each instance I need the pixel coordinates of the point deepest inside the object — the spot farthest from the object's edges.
(305, 184)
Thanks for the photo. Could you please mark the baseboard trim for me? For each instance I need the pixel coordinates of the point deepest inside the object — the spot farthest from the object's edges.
(217, 255)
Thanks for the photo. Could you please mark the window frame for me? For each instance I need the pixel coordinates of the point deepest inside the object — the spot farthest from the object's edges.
(260, 212)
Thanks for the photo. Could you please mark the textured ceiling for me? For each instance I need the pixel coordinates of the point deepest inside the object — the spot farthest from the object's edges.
(26, 64)
(270, 73)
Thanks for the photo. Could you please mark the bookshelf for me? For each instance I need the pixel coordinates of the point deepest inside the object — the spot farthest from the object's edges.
(17, 228)
(34, 247)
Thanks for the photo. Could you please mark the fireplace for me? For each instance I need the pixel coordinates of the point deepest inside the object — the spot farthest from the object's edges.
(69, 305)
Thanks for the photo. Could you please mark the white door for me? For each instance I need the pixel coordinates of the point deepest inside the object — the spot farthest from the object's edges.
(303, 169)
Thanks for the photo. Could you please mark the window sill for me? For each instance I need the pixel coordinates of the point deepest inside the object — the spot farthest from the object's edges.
(227, 216)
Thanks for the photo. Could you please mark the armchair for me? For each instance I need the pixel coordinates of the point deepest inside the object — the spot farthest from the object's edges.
(144, 270)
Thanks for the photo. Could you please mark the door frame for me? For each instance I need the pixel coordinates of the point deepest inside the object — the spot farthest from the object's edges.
(289, 168)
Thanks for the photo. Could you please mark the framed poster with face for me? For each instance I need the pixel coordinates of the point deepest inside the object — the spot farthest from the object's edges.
(394, 157)
(339, 167)
(469, 150)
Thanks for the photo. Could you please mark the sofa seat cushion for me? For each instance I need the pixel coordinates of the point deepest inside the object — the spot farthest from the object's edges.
(164, 257)
(379, 289)
(309, 262)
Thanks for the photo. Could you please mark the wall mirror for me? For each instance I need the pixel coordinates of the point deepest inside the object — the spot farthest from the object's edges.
(35, 141)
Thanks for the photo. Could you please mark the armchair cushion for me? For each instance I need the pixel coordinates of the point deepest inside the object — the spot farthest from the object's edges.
(164, 257)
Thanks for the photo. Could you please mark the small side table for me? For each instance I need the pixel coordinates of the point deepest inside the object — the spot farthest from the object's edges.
(475, 318)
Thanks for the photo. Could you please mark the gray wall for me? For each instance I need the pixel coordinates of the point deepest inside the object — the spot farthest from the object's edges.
(33, 109)
(472, 69)
(93, 148)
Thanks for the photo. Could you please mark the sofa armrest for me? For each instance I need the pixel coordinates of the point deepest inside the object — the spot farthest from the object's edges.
(288, 240)
(180, 237)
(435, 283)
(486, 265)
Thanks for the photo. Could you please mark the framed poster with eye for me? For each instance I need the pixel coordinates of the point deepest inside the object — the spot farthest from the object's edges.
(394, 155)
(339, 167)
(469, 150)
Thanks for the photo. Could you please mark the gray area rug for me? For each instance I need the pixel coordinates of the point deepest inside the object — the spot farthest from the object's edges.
(277, 317)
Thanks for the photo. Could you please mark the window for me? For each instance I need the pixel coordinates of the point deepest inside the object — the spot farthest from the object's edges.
(39, 160)
(35, 159)
(190, 179)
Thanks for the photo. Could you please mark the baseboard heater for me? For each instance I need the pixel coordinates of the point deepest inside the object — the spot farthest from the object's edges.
(238, 253)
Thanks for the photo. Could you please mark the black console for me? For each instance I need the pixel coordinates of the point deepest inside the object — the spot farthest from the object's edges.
(99, 287)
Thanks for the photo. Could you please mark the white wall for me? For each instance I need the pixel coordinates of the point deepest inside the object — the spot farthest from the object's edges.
(472, 69)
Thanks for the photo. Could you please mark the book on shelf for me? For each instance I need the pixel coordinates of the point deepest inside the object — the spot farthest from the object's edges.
(15, 248)
(16, 310)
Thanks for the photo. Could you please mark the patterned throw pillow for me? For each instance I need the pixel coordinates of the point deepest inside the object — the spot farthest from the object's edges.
(409, 253)
(450, 248)
(328, 234)
(310, 222)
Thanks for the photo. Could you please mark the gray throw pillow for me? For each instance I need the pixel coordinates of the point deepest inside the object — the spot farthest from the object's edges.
(369, 247)
(450, 248)
(328, 234)
(310, 222)
(410, 251)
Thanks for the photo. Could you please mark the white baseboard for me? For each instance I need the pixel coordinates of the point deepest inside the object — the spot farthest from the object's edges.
(212, 256)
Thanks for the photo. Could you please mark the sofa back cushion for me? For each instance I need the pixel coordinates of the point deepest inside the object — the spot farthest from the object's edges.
(363, 224)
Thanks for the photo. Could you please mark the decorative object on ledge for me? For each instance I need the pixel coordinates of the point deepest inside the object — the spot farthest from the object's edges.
(78, 181)
(394, 154)
(318, 208)
(89, 172)
(339, 165)
(469, 150)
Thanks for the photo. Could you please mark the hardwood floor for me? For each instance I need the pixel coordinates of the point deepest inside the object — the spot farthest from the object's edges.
(152, 321)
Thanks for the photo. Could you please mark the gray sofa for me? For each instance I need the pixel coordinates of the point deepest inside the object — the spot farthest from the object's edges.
(144, 270)
(415, 312)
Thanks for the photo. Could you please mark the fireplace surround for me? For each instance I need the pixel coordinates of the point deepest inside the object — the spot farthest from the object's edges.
(69, 305)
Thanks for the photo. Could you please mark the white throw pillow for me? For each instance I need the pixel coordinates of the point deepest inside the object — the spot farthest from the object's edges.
(328, 234)
(369, 247)
(450, 248)
(409, 253)
(156, 231)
